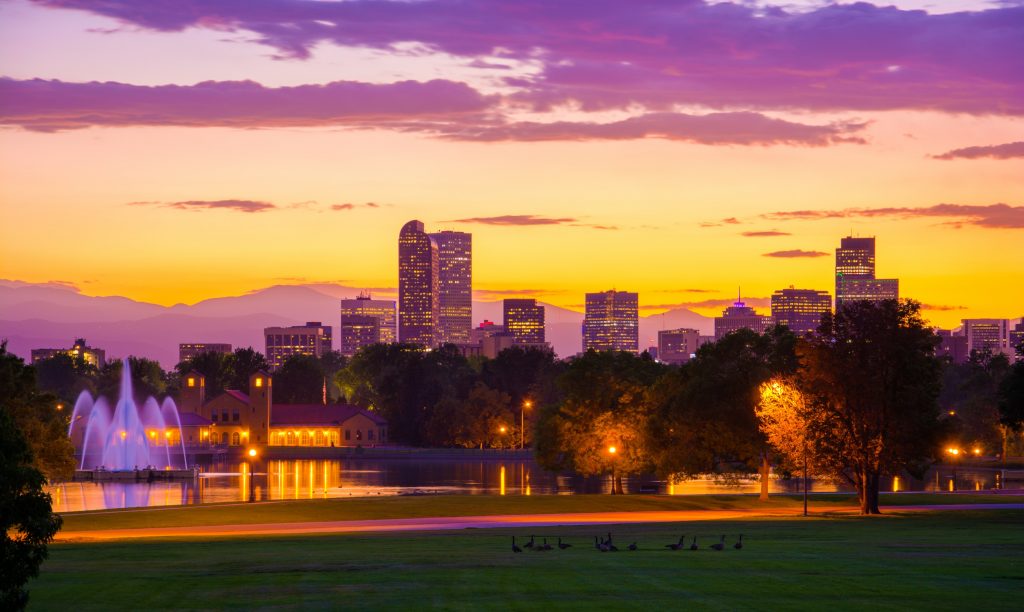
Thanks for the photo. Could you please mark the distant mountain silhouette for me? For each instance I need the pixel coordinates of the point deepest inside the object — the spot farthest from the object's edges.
(43, 315)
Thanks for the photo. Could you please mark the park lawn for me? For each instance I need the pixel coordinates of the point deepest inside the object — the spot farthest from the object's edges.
(937, 561)
(468, 505)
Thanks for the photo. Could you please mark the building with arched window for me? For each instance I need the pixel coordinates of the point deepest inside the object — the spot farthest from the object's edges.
(234, 418)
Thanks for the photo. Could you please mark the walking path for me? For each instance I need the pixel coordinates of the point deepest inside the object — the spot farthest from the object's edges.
(479, 522)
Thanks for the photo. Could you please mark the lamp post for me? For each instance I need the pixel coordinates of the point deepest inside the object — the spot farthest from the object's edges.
(611, 451)
(252, 482)
(522, 423)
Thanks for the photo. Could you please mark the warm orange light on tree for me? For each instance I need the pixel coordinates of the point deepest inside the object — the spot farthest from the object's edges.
(977, 451)
(502, 429)
(612, 450)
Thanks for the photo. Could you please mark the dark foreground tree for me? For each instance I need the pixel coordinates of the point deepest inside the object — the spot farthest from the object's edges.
(300, 380)
(41, 418)
(27, 521)
(871, 382)
(1011, 398)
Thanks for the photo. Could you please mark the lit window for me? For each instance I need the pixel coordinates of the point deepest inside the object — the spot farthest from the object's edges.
(259, 381)
(191, 381)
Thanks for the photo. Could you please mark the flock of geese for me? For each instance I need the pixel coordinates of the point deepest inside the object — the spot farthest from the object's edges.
(606, 544)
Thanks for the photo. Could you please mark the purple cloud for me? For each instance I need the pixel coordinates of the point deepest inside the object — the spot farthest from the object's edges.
(741, 128)
(758, 302)
(658, 53)
(765, 234)
(350, 206)
(1004, 151)
(795, 253)
(1001, 216)
(55, 105)
(528, 220)
(941, 307)
(246, 206)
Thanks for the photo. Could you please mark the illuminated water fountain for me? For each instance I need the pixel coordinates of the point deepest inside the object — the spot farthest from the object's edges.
(130, 437)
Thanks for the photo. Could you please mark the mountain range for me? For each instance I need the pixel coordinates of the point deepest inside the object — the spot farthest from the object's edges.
(52, 315)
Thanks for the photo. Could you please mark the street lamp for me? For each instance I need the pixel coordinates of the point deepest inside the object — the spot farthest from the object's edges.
(252, 482)
(522, 423)
(611, 452)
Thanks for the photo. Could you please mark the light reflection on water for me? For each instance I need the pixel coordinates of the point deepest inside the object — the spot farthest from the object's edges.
(331, 478)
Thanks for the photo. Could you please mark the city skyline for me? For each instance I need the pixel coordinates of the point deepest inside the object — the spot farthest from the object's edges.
(600, 177)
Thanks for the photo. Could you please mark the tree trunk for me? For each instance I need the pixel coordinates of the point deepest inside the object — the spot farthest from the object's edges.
(618, 485)
(868, 492)
(764, 477)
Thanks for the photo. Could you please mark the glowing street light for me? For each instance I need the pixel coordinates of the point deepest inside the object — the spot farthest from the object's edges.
(252, 481)
(502, 429)
(522, 423)
(955, 453)
(612, 450)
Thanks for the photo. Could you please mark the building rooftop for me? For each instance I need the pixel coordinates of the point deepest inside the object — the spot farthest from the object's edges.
(318, 414)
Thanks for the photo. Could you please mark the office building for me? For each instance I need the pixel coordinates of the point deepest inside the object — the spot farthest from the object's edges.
(740, 316)
(79, 349)
(855, 273)
(953, 346)
(188, 350)
(455, 286)
(283, 342)
(418, 287)
(677, 346)
(800, 309)
(1017, 338)
(611, 322)
(365, 321)
(525, 319)
(987, 335)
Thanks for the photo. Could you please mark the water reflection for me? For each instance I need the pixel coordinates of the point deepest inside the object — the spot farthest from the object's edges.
(322, 479)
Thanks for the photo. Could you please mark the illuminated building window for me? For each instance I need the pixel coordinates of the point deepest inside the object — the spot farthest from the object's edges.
(191, 381)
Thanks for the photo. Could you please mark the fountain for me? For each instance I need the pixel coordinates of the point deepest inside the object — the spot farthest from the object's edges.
(130, 441)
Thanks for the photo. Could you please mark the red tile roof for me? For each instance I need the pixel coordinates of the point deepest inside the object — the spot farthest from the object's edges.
(191, 419)
(318, 414)
(238, 395)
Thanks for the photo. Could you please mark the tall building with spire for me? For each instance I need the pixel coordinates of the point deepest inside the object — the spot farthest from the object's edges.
(855, 273)
(455, 286)
(611, 322)
(741, 316)
(418, 286)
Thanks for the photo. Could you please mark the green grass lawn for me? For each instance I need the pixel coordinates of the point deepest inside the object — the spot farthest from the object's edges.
(939, 561)
(465, 505)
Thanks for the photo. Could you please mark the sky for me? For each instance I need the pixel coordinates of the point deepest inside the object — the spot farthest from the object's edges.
(175, 150)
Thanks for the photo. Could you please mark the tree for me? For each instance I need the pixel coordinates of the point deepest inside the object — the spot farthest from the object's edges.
(331, 363)
(217, 368)
(299, 380)
(604, 407)
(1011, 397)
(526, 374)
(970, 397)
(65, 376)
(41, 418)
(148, 378)
(246, 362)
(27, 521)
(483, 419)
(703, 412)
(783, 419)
(871, 382)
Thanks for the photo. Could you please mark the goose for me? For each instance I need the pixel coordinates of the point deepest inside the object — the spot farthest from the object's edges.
(600, 545)
(515, 548)
(739, 544)
(694, 545)
(612, 548)
(563, 545)
(529, 544)
(720, 545)
(632, 546)
(678, 545)
(545, 545)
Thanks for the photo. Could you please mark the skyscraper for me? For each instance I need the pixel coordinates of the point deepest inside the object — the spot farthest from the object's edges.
(309, 339)
(740, 316)
(418, 287)
(855, 273)
(1017, 336)
(800, 309)
(611, 322)
(525, 319)
(354, 332)
(188, 350)
(455, 282)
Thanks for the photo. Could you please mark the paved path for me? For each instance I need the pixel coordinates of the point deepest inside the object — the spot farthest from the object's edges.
(478, 522)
